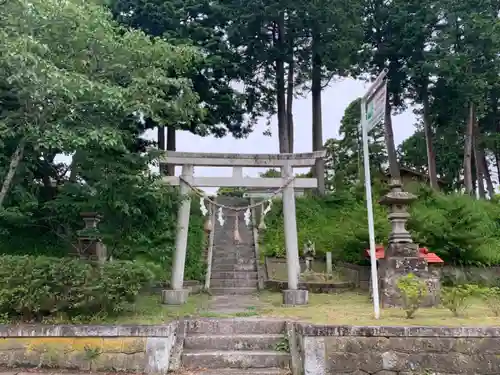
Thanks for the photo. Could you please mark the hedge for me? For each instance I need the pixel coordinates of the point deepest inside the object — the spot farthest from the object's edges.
(33, 288)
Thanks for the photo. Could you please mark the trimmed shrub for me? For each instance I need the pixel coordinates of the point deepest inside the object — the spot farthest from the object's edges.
(32, 288)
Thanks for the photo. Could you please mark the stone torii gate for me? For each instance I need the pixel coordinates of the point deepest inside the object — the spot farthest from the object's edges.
(285, 162)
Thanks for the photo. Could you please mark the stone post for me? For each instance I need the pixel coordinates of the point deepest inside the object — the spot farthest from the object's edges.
(291, 296)
(402, 255)
(329, 263)
(178, 295)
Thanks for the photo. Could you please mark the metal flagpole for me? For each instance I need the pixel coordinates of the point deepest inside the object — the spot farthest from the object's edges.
(369, 208)
(371, 96)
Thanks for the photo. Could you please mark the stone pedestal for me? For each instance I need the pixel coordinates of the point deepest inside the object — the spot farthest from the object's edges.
(174, 297)
(295, 297)
(402, 255)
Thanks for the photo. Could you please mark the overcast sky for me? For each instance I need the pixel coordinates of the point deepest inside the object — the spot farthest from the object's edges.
(335, 100)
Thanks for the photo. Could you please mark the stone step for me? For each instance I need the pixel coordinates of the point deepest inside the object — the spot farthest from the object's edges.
(234, 359)
(233, 283)
(225, 258)
(217, 254)
(233, 267)
(233, 342)
(233, 255)
(235, 326)
(241, 275)
(253, 371)
(234, 262)
(220, 291)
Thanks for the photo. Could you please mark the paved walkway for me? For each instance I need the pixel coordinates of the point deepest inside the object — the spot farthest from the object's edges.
(233, 304)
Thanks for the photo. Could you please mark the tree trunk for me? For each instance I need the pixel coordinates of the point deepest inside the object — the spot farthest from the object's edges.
(469, 133)
(431, 157)
(389, 142)
(487, 175)
(74, 167)
(483, 173)
(496, 126)
(280, 86)
(289, 92)
(171, 146)
(317, 124)
(161, 146)
(16, 158)
(497, 163)
(479, 169)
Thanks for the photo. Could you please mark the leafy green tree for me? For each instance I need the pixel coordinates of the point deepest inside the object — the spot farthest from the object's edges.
(71, 90)
(344, 160)
(89, 88)
(201, 24)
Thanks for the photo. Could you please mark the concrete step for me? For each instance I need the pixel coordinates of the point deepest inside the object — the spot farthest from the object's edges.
(233, 342)
(235, 326)
(233, 267)
(253, 371)
(233, 283)
(219, 291)
(224, 259)
(234, 359)
(240, 275)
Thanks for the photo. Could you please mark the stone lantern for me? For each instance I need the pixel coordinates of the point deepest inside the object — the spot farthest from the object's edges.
(402, 256)
(90, 246)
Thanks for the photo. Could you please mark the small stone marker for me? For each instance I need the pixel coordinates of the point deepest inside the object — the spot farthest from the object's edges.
(329, 263)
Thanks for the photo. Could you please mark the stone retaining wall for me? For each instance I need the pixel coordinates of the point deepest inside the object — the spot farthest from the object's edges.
(343, 350)
(319, 350)
(116, 348)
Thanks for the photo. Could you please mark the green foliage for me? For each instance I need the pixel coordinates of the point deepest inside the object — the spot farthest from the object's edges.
(413, 291)
(75, 83)
(492, 298)
(335, 223)
(457, 298)
(32, 288)
(460, 229)
(344, 157)
(231, 192)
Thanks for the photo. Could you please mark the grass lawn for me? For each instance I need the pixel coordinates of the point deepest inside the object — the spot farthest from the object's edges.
(347, 308)
(149, 310)
(351, 308)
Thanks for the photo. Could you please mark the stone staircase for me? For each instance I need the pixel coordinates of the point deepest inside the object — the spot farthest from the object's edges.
(236, 347)
(234, 267)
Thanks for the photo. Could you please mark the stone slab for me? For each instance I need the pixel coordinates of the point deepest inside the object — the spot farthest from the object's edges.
(235, 359)
(296, 297)
(233, 290)
(233, 342)
(233, 283)
(245, 275)
(174, 297)
(254, 371)
(235, 326)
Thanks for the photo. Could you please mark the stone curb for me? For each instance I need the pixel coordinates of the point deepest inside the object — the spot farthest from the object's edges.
(388, 331)
(303, 329)
(39, 330)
